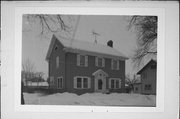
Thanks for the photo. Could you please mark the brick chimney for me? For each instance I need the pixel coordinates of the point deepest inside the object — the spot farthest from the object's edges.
(110, 43)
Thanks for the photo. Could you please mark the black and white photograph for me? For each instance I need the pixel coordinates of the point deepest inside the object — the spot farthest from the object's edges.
(89, 60)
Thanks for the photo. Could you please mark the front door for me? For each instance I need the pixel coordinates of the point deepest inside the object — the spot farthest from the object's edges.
(100, 81)
(100, 85)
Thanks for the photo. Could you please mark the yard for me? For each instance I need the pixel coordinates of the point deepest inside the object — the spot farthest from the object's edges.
(96, 99)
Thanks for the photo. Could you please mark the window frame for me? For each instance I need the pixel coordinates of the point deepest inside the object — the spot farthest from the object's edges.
(57, 61)
(79, 60)
(147, 87)
(112, 64)
(82, 82)
(61, 77)
(97, 61)
(115, 79)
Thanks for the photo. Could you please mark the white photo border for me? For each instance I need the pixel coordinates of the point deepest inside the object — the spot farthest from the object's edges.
(80, 10)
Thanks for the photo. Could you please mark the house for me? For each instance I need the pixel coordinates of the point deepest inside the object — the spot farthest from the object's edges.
(137, 87)
(81, 67)
(148, 78)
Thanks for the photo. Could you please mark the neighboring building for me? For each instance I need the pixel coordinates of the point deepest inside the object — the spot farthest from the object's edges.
(148, 78)
(137, 87)
(81, 67)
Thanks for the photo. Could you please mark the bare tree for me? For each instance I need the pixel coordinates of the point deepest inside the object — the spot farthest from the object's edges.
(39, 77)
(146, 29)
(48, 23)
(28, 69)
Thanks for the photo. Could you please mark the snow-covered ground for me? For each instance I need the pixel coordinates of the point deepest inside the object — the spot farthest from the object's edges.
(96, 99)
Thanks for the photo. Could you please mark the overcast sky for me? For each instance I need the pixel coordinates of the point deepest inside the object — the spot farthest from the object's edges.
(112, 28)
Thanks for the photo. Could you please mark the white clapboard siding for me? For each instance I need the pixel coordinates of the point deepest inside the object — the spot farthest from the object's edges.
(75, 82)
(78, 60)
(86, 61)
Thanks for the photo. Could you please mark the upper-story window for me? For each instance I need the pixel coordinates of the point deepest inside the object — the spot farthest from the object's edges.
(114, 64)
(99, 62)
(153, 66)
(56, 47)
(57, 62)
(82, 60)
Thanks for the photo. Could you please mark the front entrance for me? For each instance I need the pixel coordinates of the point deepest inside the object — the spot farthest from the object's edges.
(100, 84)
(100, 81)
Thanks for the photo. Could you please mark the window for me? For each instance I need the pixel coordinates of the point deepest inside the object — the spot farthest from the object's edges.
(82, 60)
(136, 89)
(79, 83)
(57, 62)
(85, 82)
(82, 82)
(100, 62)
(60, 82)
(147, 87)
(114, 83)
(114, 64)
(153, 66)
(56, 47)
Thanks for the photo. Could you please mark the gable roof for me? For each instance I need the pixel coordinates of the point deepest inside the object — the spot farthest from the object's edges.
(86, 47)
(144, 67)
(100, 71)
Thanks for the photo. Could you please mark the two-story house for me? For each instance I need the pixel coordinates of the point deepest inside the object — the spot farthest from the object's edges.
(82, 67)
(148, 78)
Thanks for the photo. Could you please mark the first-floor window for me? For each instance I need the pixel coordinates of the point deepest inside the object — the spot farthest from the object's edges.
(60, 82)
(79, 82)
(114, 83)
(147, 87)
(85, 82)
(82, 82)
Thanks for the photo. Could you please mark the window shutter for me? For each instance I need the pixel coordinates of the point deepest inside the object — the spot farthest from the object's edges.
(109, 83)
(75, 82)
(119, 83)
(112, 64)
(89, 82)
(103, 62)
(57, 61)
(78, 60)
(62, 82)
(96, 61)
(86, 61)
(117, 64)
